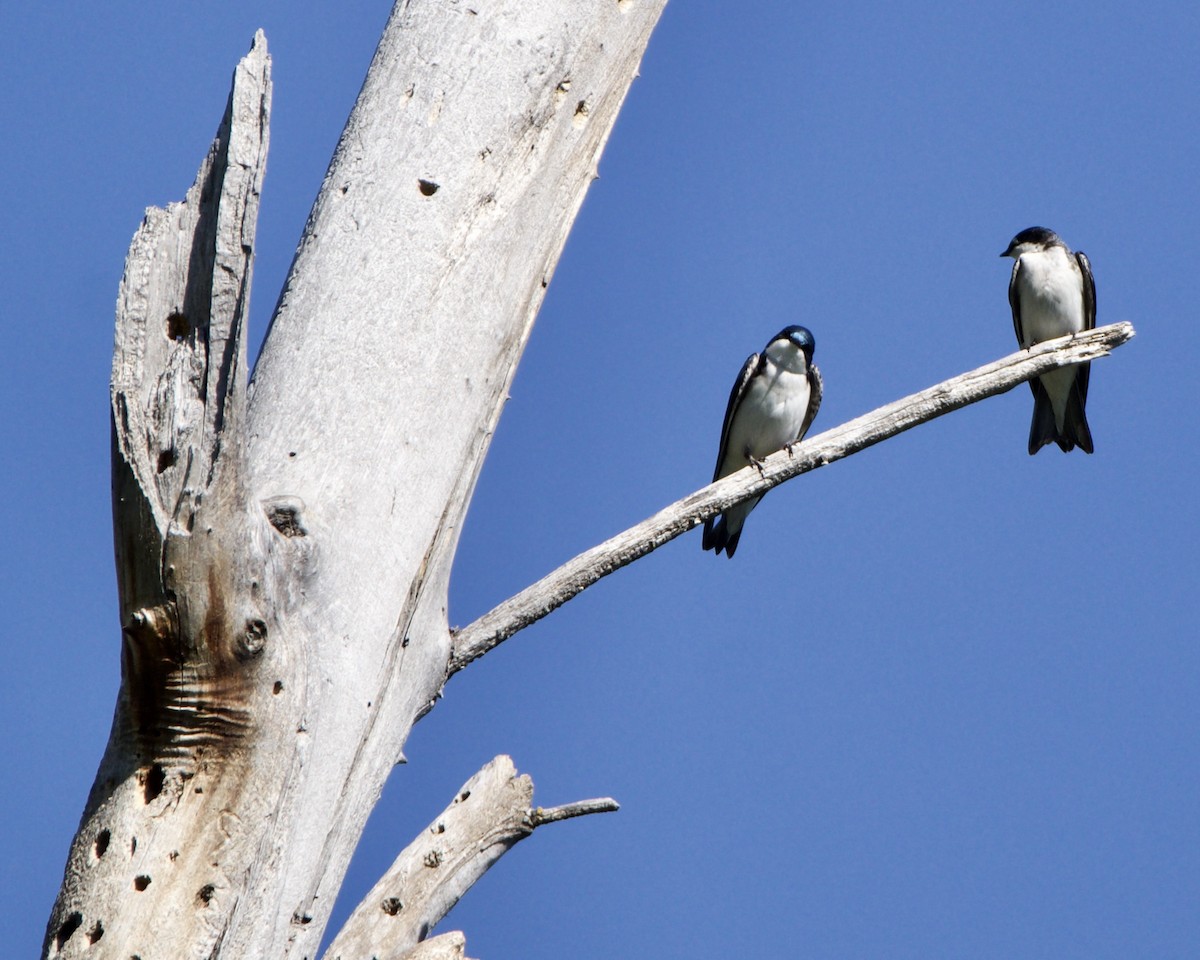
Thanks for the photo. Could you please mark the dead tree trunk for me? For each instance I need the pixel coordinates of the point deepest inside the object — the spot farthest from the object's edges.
(283, 549)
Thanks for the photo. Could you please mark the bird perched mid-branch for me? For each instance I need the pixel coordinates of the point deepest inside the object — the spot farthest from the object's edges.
(772, 405)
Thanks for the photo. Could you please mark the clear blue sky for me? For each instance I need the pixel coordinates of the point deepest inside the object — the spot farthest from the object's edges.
(944, 702)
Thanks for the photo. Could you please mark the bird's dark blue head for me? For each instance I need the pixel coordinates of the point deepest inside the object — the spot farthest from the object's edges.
(1031, 238)
(801, 337)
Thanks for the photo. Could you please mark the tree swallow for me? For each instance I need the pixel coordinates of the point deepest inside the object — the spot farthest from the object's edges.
(1052, 294)
(772, 405)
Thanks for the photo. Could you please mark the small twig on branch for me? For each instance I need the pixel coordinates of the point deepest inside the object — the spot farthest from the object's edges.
(576, 575)
(541, 815)
(489, 814)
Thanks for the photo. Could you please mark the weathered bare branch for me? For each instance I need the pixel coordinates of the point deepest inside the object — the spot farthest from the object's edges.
(576, 575)
(488, 815)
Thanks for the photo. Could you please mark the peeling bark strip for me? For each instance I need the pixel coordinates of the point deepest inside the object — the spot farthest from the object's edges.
(488, 815)
(284, 549)
(576, 575)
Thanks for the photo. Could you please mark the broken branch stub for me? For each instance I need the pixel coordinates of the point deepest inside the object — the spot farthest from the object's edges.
(489, 814)
(178, 388)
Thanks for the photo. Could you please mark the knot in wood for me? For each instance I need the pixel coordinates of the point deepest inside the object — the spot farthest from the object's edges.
(252, 640)
(153, 625)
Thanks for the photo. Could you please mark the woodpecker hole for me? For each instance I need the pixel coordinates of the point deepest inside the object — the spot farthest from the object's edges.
(392, 906)
(96, 932)
(463, 796)
(205, 894)
(141, 882)
(285, 517)
(67, 929)
(101, 845)
(427, 187)
(152, 786)
(166, 459)
(278, 688)
(178, 326)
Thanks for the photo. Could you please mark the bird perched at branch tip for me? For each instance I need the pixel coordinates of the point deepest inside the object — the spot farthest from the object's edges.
(1052, 294)
(771, 406)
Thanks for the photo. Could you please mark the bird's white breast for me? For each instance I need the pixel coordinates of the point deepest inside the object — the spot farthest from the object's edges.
(1050, 288)
(770, 414)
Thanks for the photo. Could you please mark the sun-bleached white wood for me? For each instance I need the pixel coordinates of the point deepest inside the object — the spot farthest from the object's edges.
(284, 547)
